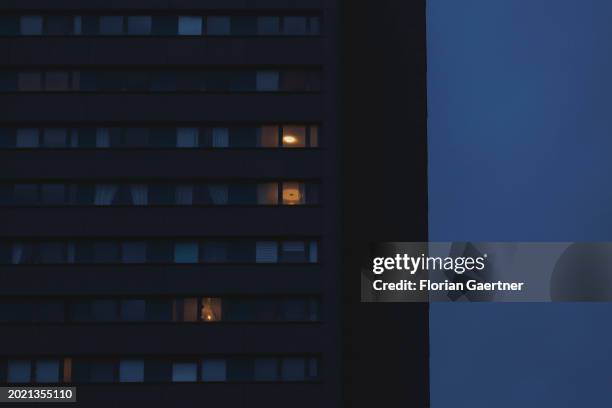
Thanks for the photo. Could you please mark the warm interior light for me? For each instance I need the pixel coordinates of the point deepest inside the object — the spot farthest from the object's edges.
(289, 139)
(291, 195)
(211, 309)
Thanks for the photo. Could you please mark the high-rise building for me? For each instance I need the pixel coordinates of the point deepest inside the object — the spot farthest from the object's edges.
(171, 223)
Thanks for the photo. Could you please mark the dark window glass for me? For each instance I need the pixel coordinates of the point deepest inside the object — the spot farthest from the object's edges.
(163, 137)
(53, 194)
(7, 138)
(241, 252)
(293, 369)
(295, 310)
(266, 369)
(104, 310)
(84, 252)
(268, 25)
(101, 372)
(163, 81)
(106, 252)
(8, 81)
(157, 371)
(214, 252)
(90, 25)
(242, 81)
(139, 25)
(218, 81)
(159, 310)
(218, 25)
(295, 25)
(80, 311)
(85, 194)
(26, 194)
(6, 194)
(161, 195)
(133, 310)
(190, 81)
(134, 252)
(239, 369)
(293, 251)
(136, 81)
(236, 310)
(87, 137)
(136, 137)
(51, 311)
(30, 81)
(161, 252)
(243, 137)
(55, 137)
(60, 25)
(111, 25)
(9, 25)
(88, 81)
(244, 25)
(245, 194)
(165, 25)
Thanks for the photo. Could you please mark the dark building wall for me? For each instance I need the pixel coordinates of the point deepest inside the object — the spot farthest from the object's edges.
(159, 340)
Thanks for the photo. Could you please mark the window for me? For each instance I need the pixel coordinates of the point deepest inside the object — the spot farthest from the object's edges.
(30, 81)
(294, 136)
(184, 372)
(293, 251)
(214, 370)
(133, 310)
(55, 138)
(101, 372)
(9, 25)
(190, 25)
(185, 310)
(106, 252)
(266, 369)
(131, 371)
(293, 193)
(293, 369)
(266, 252)
(268, 25)
(186, 252)
(267, 81)
(19, 371)
(59, 25)
(295, 25)
(111, 25)
(267, 194)
(217, 25)
(139, 25)
(104, 310)
(211, 310)
(31, 25)
(134, 252)
(47, 371)
(187, 137)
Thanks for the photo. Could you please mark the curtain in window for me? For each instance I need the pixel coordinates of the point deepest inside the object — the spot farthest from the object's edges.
(105, 193)
(267, 194)
(266, 252)
(184, 195)
(139, 194)
(220, 137)
(102, 137)
(17, 254)
(187, 137)
(219, 194)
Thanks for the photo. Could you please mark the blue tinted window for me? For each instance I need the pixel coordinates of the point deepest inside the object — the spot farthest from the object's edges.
(47, 371)
(19, 371)
(133, 310)
(190, 25)
(131, 371)
(111, 25)
(214, 370)
(31, 25)
(293, 369)
(184, 372)
(139, 25)
(186, 252)
(268, 25)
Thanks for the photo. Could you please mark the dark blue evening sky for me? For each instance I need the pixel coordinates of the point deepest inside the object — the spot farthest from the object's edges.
(520, 148)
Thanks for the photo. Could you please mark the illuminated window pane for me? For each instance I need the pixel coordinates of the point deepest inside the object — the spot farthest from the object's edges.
(184, 372)
(267, 81)
(211, 310)
(185, 310)
(293, 193)
(190, 25)
(19, 371)
(266, 252)
(267, 194)
(47, 371)
(314, 136)
(186, 252)
(268, 136)
(294, 136)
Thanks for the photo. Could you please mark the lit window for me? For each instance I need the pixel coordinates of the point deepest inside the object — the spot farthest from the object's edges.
(293, 193)
(268, 136)
(47, 371)
(184, 372)
(187, 137)
(214, 370)
(211, 310)
(294, 136)
(185, 310)
(267, 194)
(31, 25)
(190, 25)
(267, 81)
(131, 371)
(19, 371)
(186, 252)
(266, 252)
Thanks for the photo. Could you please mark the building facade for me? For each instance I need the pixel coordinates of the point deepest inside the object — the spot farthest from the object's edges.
(170, 212)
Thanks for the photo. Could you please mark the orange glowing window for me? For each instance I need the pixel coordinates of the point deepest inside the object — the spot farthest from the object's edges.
(211, 310)
(293, 193)
(294, 136)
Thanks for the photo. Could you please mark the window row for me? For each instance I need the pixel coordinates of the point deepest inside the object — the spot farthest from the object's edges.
(160, 80)
(80, 370)
(162, 25)
(160, 309)
(267, 136)
(158, 252)
(140, 194)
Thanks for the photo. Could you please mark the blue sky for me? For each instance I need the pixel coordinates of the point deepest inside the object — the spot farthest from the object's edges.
(520, 148)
